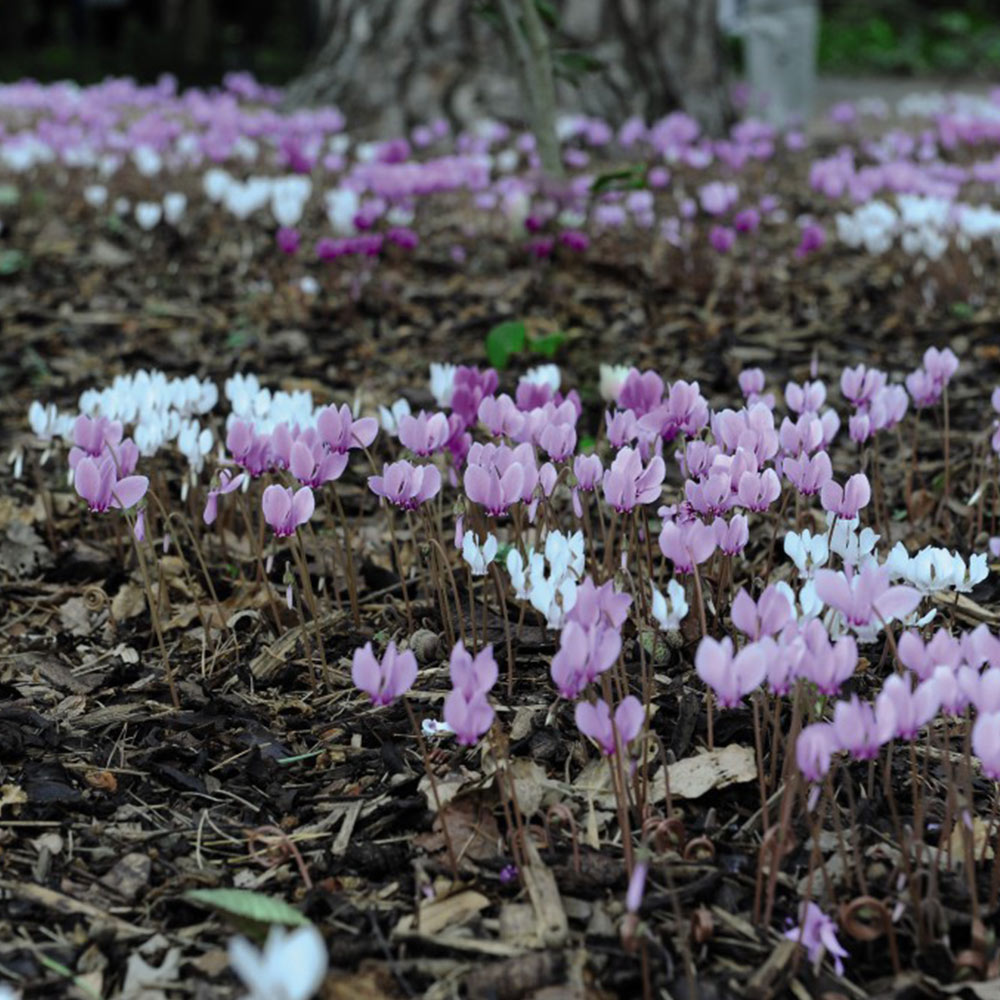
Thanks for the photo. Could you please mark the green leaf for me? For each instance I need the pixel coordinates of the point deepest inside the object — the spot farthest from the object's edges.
(547, 345)
(503, 341)
(626, 179)
(587, 444)
(11, 261)
(248, 909)
(9, 195)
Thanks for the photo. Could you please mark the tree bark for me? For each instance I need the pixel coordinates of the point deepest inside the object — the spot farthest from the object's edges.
(389, 64)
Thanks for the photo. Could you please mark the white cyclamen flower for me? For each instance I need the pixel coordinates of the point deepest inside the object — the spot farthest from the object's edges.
(292, 965)
(147, 214)
(478, 556)
(391, 416)
(442, 383)
(671, 610)
(174, 204)
(808, 551)
(612, 377)
(544, 375)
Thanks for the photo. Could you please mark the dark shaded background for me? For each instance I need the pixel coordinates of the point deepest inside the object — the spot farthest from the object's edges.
(200, 40)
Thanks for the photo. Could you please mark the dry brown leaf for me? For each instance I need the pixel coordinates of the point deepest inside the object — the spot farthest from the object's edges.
(103, 781)
(449, 911)
(694, 776)
(129, 602)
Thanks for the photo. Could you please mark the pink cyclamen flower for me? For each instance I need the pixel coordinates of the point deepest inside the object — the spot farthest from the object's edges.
(91, 435)
(866, 597)
(986, 743)
(814, 747)
(687, 545)
(467, 709)
(383, 682)
(861, 729)
(342, 432)
(284, 510)
(913, 707)
(588, 471)
(501, 416)
(595, 722)
(818, 933)
(942, 650)
(858, 385)
(805, 398)
(627, 484)
(424, 433)
(96, 480)
(314, 464)
(731, 537)
(765, 618)
(808, 475)
(758, 490)
(584, 653)
(472, 675)
(227, 484)
(405, 485)
(845, 501)
(828, 665)
(730, 677)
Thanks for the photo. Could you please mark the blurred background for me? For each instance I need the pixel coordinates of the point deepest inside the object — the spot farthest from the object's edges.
(200, 40)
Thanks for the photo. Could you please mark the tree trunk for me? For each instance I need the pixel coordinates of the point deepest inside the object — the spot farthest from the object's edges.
(388, 64)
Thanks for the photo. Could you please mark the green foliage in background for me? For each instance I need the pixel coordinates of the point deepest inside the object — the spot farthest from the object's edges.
(910, 38)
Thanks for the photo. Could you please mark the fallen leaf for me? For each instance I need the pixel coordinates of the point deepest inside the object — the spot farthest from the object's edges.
(149, 982)
(450, 911)
(694, 776)
(103, 781)
(12, 795)
(129, 602)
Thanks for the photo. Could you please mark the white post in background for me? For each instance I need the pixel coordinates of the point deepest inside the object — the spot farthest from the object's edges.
(779, 45)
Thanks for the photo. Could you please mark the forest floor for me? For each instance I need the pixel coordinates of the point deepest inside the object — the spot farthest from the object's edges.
(113, 805)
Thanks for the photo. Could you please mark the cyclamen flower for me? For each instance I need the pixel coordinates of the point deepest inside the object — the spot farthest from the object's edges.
(92, 436)
(583, 654)
(765, 618)
(942, 650)
(814, 747)
(313, 465)
(808, 475)
(425, 433)
(860, 729)
(627, 484)
(687, 545)
(828, 665)
(500, 416)
(596, 606)
(284, 510)
(808, 551)
(845, 501)
(292, 965)
(986, 743)
(612, 377)
(478, 557)
(731, 537)
(595, 722)
(390, 416)
(805, 398)
(466, 709)
(342, 432)
(818, 933)
(865, 599)
(913, 707)
(386, 681)
(730, 677)
(96, 480)
(669, 614)
(758, 490)
(406, 486)
(227, 484)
